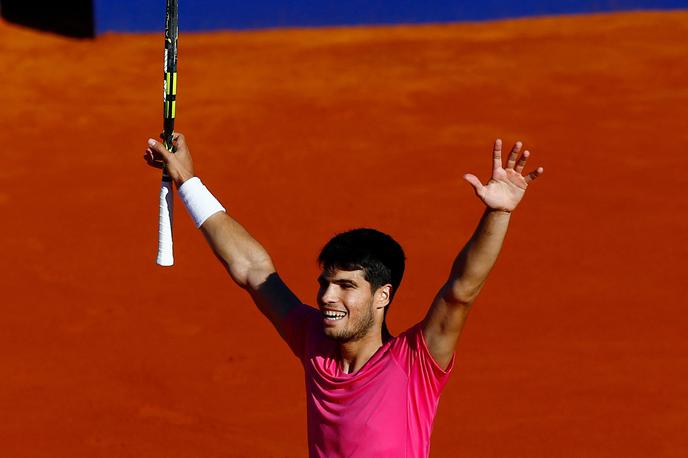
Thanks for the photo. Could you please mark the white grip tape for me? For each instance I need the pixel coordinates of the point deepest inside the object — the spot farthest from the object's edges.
(200, 203)
(165, 252)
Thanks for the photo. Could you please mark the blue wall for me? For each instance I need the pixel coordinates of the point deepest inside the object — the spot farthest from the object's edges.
(148, 15)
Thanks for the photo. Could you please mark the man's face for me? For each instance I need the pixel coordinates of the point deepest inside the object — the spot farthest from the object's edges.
(348, 304)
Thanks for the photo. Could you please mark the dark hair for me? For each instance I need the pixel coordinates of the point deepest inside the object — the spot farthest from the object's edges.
(379, 256)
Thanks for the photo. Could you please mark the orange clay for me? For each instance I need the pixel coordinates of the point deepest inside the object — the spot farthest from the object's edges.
(577, 346)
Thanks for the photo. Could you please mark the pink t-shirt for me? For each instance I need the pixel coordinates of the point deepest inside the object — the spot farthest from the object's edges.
(386, 409)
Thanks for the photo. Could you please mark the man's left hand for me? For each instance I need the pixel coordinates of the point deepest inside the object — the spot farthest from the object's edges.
(506, 187)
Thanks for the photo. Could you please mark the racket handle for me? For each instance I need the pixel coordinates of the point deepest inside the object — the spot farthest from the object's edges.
(165, 252)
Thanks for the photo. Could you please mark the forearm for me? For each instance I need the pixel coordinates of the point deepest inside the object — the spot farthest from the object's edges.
(476, 259)
(245, 259)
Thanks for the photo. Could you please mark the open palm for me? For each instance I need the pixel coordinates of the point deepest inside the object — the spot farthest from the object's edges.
(506, 187)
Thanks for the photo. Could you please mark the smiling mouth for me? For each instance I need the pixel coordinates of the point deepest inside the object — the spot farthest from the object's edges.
(330, 315)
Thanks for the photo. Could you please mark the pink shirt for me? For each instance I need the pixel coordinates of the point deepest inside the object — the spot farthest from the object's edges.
(386, 409)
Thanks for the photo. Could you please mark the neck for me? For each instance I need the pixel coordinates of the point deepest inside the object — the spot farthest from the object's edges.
(353, 355)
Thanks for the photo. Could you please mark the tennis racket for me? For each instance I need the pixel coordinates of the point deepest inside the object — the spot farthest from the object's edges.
(165, 251)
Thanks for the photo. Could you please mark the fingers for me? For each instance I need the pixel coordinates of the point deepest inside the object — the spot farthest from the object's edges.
(149, 157)
(522, 162)
(497, 155)
(475, 182)
(159, 151)
(534, 174)
(513, 155)
(520, 165)
(156, 154)
(179, 140)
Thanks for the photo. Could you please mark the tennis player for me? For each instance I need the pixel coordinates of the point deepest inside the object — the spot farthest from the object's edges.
(369, 393)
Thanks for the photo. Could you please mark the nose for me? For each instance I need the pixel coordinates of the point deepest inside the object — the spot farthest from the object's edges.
(328, 294)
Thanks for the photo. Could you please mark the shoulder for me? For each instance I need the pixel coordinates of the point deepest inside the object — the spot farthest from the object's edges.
(408, 338)
(301, 325)
(410, 349)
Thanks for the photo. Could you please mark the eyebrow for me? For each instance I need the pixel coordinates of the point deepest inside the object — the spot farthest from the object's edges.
(341, 282)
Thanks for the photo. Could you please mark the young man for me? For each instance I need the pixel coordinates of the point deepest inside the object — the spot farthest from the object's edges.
(369, 394)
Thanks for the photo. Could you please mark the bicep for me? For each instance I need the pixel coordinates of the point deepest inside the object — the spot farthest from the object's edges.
(442, 326)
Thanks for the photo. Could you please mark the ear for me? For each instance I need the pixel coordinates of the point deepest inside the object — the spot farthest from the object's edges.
(382, 296)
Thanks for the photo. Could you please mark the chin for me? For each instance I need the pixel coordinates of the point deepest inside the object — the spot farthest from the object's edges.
(346, 336)
(339, 336)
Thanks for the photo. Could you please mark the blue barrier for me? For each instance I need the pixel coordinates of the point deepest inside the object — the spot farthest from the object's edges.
(196, 15)
(92, 17)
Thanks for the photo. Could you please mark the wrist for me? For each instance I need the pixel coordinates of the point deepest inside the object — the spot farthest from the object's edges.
(199, 202)
(182, 177)
(498, 211)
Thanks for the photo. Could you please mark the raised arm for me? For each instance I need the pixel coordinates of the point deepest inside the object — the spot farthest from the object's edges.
(245, 259)
(502, 194)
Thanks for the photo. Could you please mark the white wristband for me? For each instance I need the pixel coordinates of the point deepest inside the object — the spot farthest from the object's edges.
(200, 203)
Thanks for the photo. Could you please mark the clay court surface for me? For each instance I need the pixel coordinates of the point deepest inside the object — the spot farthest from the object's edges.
(576, 348)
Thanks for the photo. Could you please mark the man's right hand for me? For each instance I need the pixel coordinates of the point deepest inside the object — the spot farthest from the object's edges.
(179, 165)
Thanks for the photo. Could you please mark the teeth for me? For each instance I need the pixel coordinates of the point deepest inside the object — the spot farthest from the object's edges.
(331, 315)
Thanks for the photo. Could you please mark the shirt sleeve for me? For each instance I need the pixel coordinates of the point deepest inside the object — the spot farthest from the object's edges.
(412, 353)
(297, 327)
